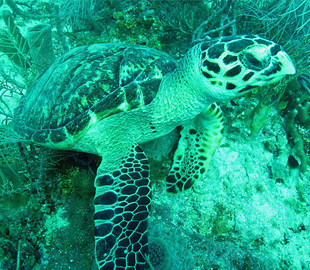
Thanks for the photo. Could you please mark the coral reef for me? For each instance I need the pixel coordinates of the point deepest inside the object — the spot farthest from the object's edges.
(299, 134)
(251, 211)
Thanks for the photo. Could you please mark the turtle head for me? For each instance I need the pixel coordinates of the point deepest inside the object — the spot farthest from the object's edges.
(231, 66)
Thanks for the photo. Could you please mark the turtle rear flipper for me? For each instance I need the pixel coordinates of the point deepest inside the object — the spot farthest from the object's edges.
(199, 140)
(122, 204)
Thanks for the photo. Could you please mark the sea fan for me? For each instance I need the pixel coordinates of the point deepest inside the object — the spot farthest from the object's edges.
(13, 44)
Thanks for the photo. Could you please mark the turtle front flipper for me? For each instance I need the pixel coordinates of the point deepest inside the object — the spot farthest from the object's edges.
(199, 140)
(122, 205)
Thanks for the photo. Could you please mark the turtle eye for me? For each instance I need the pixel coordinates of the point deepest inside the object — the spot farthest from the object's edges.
(255, 58)
(251, 62)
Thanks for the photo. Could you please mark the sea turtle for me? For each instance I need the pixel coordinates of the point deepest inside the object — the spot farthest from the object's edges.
(108, 99)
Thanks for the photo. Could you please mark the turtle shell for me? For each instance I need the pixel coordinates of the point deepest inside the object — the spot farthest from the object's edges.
(98, 80)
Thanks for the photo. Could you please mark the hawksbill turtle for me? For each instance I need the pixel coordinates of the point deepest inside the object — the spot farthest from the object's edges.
(108, 99)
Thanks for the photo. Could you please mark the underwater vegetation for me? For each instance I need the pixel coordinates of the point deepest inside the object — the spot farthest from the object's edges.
(251, 211)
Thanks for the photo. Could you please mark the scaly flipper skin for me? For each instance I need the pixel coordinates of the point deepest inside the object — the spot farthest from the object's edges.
(122, 205)
(199, 140)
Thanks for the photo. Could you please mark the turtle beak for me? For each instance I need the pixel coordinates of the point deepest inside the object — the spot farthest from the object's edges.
(287, 64)
(280, 66)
